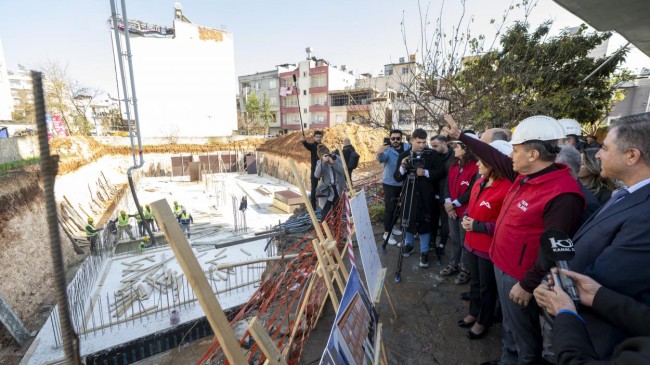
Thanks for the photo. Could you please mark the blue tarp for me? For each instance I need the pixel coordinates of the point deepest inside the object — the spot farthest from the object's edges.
(4, 133)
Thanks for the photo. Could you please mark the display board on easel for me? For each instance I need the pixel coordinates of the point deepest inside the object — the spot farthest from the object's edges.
(372, 267)
(353, 338)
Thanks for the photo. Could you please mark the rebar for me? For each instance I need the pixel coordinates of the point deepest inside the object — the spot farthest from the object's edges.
(48, 172)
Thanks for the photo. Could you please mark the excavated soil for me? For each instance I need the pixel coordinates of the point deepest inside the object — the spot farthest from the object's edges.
(26, 266)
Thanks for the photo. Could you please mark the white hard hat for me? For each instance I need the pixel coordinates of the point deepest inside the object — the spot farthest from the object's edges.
(571, 126)
(537, 128)
(502, 146)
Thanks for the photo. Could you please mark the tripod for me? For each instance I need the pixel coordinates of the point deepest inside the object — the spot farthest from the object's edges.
(403, 212)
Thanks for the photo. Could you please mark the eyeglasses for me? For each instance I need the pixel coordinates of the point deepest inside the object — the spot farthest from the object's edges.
(395, 138)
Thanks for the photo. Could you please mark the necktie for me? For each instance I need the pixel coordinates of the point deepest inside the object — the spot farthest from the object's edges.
(616, 197)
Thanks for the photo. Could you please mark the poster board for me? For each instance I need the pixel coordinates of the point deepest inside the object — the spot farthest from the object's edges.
(372, 268)
(353, 335)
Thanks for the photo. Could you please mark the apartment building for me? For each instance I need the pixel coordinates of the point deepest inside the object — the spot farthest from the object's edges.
(308, 96)
(266, 86)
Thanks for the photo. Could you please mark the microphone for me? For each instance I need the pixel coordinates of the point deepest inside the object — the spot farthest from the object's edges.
(557, 246)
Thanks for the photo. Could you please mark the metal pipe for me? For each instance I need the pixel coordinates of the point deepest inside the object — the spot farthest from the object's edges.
(131, 78)
(608, 60)
(49, 166)
(118, 47)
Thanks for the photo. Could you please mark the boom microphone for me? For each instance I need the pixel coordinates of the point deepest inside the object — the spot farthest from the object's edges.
(557, 246)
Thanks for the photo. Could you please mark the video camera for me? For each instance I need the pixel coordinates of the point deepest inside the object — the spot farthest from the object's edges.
(413, 162)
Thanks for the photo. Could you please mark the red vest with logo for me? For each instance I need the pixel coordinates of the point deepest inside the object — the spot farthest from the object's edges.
(484, 206)
(520, 225)
(458, 182)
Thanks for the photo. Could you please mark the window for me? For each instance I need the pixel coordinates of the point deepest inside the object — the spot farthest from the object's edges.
(318, 118)
(273, 101)
(405, 71)
(339, 100)
(318, 81)
(256, 85)
(273, 84)
(319, 100)
(304, 110)
(304, 92)
(388, 70)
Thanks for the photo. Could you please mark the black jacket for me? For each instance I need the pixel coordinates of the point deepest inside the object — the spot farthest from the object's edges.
(312, 147)
(572, 344)
(425, 188)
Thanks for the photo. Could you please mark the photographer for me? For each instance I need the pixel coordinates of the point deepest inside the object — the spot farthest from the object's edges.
(427, 167)
(388, 154)
(329, 169)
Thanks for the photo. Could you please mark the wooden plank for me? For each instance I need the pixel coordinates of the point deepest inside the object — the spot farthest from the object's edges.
(12, 323)
(301, 311)
(196, 277)
(326, 276)
(265, 342)
(378, 344)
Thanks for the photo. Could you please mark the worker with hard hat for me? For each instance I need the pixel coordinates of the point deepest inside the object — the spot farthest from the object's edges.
(91, 235)
(185, 219)
(573, 132)
(149, 218)
(140, 220)
(544, 196)
(177, 210)
(144, 244)
(123, 225)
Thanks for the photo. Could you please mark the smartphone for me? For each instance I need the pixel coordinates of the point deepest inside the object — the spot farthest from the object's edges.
(386, 141)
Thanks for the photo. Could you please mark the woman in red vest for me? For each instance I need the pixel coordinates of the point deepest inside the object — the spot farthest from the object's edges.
(462, 175)
(486, 199)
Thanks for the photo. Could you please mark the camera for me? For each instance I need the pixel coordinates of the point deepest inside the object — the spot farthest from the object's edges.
(413, 162)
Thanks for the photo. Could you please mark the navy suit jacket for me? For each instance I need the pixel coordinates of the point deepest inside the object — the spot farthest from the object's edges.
(613, 247)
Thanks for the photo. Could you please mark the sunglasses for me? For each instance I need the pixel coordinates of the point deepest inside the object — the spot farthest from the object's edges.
(395, 138)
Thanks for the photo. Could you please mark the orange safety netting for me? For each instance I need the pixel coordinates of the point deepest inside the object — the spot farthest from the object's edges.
(277, 300)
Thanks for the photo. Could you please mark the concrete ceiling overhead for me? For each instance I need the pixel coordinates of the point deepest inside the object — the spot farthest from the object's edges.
(629, 18)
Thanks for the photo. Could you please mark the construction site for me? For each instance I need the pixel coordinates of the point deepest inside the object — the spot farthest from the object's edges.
(133, 304)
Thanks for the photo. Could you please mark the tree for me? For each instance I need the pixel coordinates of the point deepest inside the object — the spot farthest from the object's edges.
(258, 114)
(24, 112)
(518, 74)
(68, 98)
(533, 74)
(266, 115)
(253, 111)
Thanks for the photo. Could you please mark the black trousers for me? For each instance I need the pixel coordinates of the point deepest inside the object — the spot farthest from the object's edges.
(391, 197)
(312, 197)
(329, 204)
(444, 224)
(482, 289)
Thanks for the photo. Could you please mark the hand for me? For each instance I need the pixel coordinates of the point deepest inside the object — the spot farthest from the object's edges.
(451, 212)
(419, 171)
(553, 299)
(587, 287)
(467, 223)
(382, 149)
(519, 295)
(452, 130)
(326, 159)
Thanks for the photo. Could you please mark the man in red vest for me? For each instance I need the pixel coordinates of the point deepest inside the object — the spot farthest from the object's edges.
(544, 196)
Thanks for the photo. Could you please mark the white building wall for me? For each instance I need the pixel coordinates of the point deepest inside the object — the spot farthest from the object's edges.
(339, 80)
(185, 86)
(6, 101)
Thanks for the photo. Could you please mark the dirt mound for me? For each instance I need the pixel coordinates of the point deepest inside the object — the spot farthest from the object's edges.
(77, 151)
(364, 139)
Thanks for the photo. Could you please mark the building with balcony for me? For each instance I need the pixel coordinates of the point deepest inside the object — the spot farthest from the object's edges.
(266, 86)
(309, 95)
(184, 77)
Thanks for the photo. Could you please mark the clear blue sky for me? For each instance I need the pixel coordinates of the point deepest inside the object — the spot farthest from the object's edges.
(362, 34)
